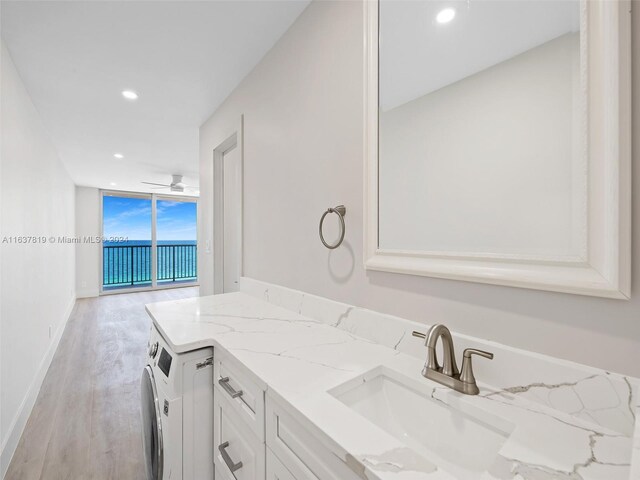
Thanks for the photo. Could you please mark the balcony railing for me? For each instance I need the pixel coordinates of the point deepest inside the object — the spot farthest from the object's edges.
(130, 265)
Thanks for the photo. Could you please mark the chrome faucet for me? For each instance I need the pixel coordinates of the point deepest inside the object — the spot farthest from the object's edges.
(447, 374)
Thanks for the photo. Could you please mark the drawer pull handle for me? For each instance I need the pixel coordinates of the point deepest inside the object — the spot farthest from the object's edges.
(227, 459)
(208, 362)
(224, 383)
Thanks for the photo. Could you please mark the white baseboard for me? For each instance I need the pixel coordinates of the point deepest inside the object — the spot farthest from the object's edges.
(20, 420)
(87, 293)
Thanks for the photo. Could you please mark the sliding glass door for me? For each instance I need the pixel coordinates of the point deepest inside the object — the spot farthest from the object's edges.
(126, 248)
(176, 238)
(149, 241)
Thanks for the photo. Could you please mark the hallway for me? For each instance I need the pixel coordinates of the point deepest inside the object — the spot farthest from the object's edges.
(86, 421)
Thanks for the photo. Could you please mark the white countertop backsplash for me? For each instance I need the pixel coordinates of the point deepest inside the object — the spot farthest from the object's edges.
(568, 421)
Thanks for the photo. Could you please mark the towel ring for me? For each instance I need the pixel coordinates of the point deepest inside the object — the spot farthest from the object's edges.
(341, 211)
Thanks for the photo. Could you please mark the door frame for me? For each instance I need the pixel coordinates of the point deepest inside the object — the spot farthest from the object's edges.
(235, 140)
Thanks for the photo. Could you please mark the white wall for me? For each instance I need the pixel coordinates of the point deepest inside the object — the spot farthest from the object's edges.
(303, 143)
(458, 174)
(37, 280)
(88, 253)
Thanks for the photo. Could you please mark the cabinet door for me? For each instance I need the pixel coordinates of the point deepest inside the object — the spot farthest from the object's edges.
(300, 451)
(276, 470)
(238, 453)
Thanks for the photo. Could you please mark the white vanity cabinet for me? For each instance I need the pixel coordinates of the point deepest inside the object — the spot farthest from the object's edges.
(246, 398)
(275, 469)
(239, 449)
(238, 454)
(256, 437)
(298, 451)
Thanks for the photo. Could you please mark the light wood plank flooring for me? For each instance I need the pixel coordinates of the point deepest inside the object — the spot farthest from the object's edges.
(86, 421)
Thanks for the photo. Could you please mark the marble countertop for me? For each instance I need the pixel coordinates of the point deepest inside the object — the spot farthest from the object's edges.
(299, 360)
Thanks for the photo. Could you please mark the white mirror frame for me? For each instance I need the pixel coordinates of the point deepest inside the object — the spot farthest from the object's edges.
(606, 272)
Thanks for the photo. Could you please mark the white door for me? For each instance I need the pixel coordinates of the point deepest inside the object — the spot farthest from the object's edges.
(231, 219)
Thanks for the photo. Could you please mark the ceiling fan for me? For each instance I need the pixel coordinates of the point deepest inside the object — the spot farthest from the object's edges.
(176, 184)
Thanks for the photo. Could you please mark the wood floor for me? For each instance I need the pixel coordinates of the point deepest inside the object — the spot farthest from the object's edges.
(86, 421)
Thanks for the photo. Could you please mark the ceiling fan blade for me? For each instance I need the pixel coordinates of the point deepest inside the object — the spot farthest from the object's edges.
(160, 184)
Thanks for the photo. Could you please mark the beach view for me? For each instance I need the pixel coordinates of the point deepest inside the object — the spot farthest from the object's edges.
(128, 255)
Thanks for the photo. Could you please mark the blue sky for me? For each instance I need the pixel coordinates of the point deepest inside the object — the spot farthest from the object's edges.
(131, 218)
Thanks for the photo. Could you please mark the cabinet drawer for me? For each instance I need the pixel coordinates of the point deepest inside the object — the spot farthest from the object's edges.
(299, 451)
(276, 470)
(238, 453)
(245, 397)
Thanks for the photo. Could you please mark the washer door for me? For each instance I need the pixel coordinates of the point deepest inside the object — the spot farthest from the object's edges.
(151, 426)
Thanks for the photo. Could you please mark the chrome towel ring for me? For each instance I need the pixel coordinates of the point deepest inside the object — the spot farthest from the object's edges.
(341, 211)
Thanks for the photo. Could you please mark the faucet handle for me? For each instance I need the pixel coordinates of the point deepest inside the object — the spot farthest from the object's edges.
(419, 334)
(466, 375)
(474, 351)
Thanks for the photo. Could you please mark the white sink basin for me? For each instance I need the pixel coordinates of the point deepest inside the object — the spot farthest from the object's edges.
(462, 440)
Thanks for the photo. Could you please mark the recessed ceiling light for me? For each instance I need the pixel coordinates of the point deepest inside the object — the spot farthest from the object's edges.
(129, 94)
(445, 15)
(113, 184)
(118, 155)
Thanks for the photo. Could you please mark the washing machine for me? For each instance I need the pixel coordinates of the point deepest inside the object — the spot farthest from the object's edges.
(177, 412)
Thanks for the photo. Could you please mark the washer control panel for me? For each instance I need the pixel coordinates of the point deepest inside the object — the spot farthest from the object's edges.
(164, 362)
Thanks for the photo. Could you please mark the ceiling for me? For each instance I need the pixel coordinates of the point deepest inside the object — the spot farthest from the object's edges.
(418, 55)
(183, 58)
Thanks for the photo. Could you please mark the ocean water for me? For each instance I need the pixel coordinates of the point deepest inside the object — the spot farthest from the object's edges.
(129, 263)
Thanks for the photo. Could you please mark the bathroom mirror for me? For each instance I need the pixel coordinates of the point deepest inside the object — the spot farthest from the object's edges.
(498, 142)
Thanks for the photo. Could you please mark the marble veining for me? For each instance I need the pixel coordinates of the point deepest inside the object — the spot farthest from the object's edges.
(566, 421)
(590, 394)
